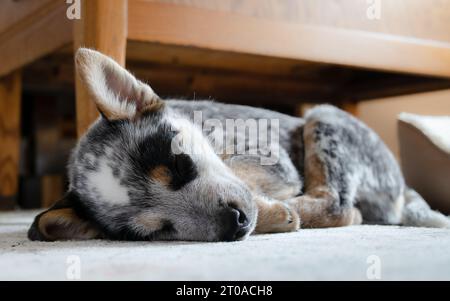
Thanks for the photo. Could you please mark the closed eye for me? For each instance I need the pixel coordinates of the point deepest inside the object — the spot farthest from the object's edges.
(184, 170)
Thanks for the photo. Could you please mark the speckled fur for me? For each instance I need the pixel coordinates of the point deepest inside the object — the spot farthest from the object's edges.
(332, 170)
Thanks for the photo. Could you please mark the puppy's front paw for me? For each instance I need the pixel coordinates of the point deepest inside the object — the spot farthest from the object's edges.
(275, 216)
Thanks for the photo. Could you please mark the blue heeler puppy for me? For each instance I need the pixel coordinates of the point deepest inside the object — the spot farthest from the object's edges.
(129, 182)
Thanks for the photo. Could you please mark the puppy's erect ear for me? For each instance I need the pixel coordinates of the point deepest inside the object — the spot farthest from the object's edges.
(60, 222)
(115, 91)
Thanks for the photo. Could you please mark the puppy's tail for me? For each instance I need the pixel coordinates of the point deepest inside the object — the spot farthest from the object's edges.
(417, 213)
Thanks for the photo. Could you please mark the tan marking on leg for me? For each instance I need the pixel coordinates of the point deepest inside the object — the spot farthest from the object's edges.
(315, 212)
(315, 176)
(275, 216)
(314, 207)
(161, 174)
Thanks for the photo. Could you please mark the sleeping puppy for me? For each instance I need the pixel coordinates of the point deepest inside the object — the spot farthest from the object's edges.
(148, 169)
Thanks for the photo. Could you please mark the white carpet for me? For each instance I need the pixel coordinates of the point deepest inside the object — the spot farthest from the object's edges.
(309, 254)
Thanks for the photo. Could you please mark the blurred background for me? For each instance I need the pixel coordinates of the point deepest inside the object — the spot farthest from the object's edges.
(374, 59)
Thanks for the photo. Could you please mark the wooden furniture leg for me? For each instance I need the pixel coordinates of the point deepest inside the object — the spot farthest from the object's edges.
(103, 26)
(10, 98)
(350, 107)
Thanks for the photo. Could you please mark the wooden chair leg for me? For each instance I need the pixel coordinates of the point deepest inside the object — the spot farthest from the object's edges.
(10, 98)
(103, 26)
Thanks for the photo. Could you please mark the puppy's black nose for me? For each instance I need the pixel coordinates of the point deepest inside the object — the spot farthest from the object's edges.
(235, 224)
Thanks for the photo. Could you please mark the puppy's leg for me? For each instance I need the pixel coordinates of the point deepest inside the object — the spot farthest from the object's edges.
(275, 216)
(321, 211)
(331, 174)
(269, 184)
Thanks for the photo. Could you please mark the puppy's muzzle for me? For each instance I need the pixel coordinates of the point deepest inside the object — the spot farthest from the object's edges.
(235, 224)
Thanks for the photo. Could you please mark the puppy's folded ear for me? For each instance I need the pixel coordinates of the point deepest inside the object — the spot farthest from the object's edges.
(115, 91)
(61, 222)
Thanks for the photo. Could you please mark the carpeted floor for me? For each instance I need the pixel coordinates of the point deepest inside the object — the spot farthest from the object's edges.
(351, 253)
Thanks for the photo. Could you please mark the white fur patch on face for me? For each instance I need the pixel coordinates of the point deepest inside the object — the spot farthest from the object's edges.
(107, 185)
(190, 140)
